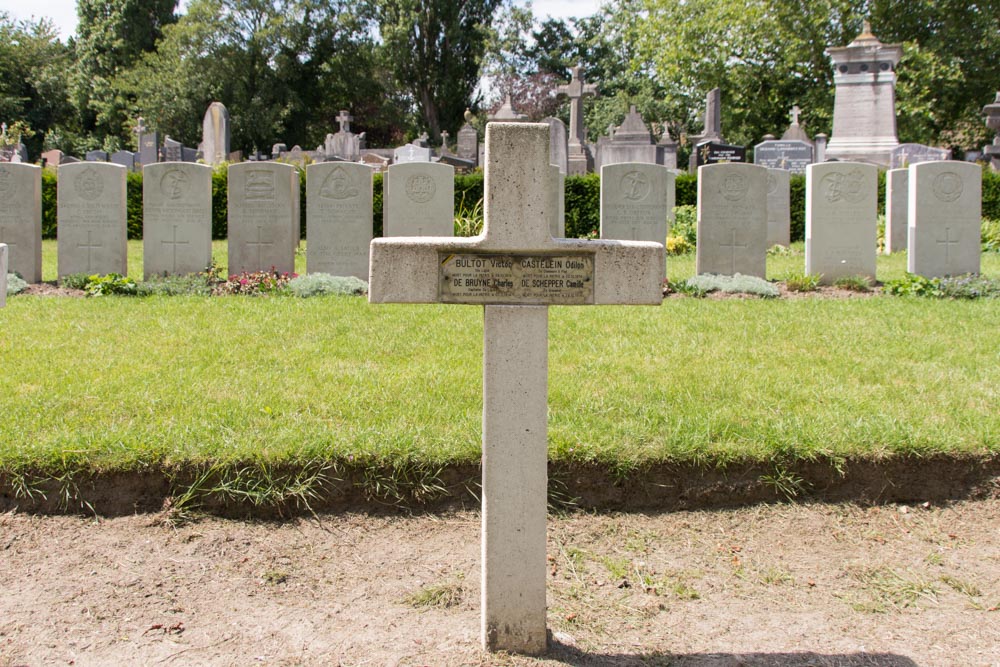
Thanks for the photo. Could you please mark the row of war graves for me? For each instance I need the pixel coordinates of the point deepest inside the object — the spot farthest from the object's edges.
(932, 209)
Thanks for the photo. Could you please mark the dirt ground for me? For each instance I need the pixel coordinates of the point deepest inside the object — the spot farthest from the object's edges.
(793, 584)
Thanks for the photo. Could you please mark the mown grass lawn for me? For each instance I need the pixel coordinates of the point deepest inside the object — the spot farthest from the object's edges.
(120, 383)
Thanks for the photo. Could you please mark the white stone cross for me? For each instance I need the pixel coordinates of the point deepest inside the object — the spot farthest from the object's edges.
(3, 275)
(515, 269)
(795, 114)
(575, 90)
(345, 121)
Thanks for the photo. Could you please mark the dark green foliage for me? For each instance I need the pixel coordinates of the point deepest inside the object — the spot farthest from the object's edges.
(133, 203)
(991, 194)
(797, 185)
(468, 192)
(377, 205)
(583, 206)
(220, 202)
(50, 187)
(686, 186)
(991, 235)
(956, 287)
(112, 283)
(75, 281)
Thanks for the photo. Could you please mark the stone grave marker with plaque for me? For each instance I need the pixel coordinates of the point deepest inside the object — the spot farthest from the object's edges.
(92, 233)
(262, 224)
(419, 200)
(21, 218)
(411, 153)
(841, 225)
(791, 155)
(176, 218)
(636, 201)
(897, 184)
(945, 214)
(732, 220)
(903, 155)
(779, 207)
(515, 269)
(339, 218)
(713, 152)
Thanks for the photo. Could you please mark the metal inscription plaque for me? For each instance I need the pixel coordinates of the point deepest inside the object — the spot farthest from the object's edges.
(530, 279)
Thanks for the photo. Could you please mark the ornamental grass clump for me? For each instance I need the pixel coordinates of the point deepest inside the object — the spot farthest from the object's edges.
(320, 284)
(735, 284)
(802, 282)
(255, 283)
(854, 283)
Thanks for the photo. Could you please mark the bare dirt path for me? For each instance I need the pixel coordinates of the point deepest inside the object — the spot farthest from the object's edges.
(783, 585)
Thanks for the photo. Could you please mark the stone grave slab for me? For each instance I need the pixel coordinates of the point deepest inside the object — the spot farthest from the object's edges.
(897, 184)
(21, 219)
(945, 214)
(3, 275)
(176, 218)
(732, 220)
(841, 224)
(262, 217)
(419, 200)
(792, 155)
(515, 269)
(338, 218)
(779, 207)
(714, 152)
(126, 159)
(96, 156)
(558, 144)
(91, 232)
(636, 201)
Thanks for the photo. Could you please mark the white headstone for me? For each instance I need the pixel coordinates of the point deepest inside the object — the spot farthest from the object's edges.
(896, 193)
(176, 218)
(732, 219)
(3, 275)
(516, 269)
(411, 153)
(262, 221)
(779, 207)
(558, 144)
(841, 224)
(91, 232)
(945, 214)
(419, 200)
(21, 218)
(338, 218)
(215, 134)
(636, 201)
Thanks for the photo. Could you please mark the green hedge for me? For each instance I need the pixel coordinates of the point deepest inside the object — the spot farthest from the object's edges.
(583, 201)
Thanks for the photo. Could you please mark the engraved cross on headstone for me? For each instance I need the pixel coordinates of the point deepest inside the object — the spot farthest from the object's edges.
(256, 244)
(576, 90)
(732, 251)
(90, 246)
(947, 242)
(174, 243)
(515, 268)
(345, 121)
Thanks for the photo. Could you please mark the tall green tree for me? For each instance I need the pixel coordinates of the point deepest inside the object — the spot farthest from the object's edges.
(435, 51)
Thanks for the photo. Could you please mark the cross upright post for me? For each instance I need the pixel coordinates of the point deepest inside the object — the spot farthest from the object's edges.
(794, 114)
(515, 269)
(345, 120)
(578, 156)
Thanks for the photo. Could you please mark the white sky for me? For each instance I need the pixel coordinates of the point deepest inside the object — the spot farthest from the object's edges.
(63, 12)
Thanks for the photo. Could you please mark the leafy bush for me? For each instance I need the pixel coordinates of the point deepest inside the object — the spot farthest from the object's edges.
(910, 285)
(112, 283)
(469, 221)
(256, 283)
(991, 235)
(197, 284)
(377, 203)
(583, 205)
(779, 250)
(220, 201)
(75, 281)
(991, 194)
(735, 284)
(797, 206)
(854, 283)
(318, 284)
(685, 287)
(802, 282)
(685, 224)
(50, 195)
(686, 190)
(133, 203)
(678, 245)
(15, 285)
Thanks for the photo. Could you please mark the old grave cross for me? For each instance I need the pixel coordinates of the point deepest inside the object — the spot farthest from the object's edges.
(345, 121)
(575, 90)
(515, 268)
(795, 114)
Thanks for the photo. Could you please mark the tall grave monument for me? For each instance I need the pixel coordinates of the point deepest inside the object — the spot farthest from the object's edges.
(215, 134)
(579, 159)
(21, 218)
(92, 233)
(864, 107)
(515, 269)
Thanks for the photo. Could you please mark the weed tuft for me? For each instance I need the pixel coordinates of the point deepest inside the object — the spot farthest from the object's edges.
(802, 282)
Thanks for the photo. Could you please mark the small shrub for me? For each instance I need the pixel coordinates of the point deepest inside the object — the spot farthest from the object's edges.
(779, 250)
(802, 282)
(318, 284)
(469, 221)
(735, 284)
(15, 285)
(75, 281)
(968, 287)
(685, 224)
(910, 285)
(991, 235)
(197, 284)
(684, 287)
(678, 245)
(256, 283)
(854, 283)
(112, 283)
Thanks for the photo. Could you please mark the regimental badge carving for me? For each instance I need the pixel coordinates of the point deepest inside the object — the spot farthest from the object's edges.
(772, 183)
(88, 184)
(260, 185)
(8, 184)
(734, 187)
(174, 184)
(420, 188)
(338, 185)
(948, 186)
(839, 186)
(634, 186)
